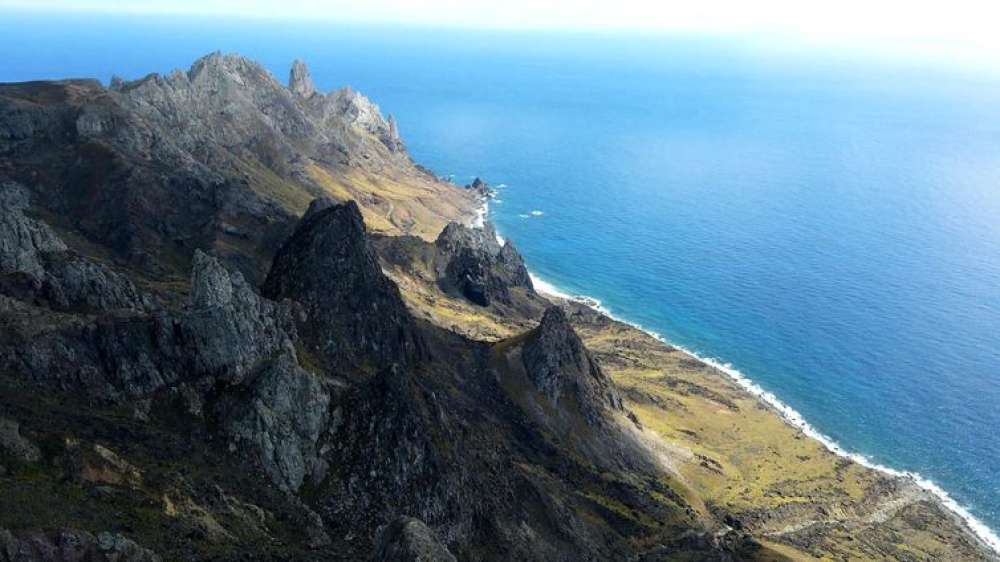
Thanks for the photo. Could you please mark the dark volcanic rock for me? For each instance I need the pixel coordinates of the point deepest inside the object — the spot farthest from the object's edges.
(215, 157)
(15, 444)
(481, 188)
(230, 328)
(225, 333)
(70, 545)
(561, 368)
(35, 265)
(409, 540)
(275, 418)
(478, 267)
(356, 315)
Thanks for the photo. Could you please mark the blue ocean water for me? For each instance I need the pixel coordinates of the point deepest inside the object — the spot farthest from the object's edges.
(826, 223)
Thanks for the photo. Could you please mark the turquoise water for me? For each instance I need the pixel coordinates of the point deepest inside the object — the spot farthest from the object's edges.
(828, 226)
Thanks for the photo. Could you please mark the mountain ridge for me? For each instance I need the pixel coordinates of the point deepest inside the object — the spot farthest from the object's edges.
(209, 352)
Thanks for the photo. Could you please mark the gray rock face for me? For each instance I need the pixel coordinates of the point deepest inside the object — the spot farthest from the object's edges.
(15, 445)
(356, 315)
(225, 333)
(217, 156)
(70, 545)
(230, 327)
(299, 80)
(359, 112)
(36, 265)
(478, 267)
(561, 368)
(22, 240)
(276, 417)
(409, 540)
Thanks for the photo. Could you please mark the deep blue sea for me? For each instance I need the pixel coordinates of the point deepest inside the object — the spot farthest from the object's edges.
(826, 223)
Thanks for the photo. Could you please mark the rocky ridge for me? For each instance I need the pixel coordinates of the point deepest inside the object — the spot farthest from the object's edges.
(206, 355)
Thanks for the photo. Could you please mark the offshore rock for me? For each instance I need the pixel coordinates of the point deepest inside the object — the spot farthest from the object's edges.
(70, 545)
(478, 267)
(481, 188)
(356, 315)
(275, 418)
(409, 540)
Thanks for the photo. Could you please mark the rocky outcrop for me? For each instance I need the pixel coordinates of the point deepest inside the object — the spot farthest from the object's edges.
(224, 333)
(14, 444)
(478, 267)
(22, 241)
(229, 326)
(222, 155)
(356, 315)
(562, 369)
(409, 540)
(275, 418)
(70, 545)
(481, 188)
(299, 80)
(36, 265)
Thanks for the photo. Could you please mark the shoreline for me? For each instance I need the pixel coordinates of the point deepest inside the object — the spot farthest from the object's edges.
(982, 532)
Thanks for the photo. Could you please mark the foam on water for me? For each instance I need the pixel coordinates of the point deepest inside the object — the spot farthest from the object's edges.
(789, 414)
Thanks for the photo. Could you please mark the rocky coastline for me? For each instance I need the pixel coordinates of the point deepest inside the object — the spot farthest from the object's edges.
(237, 321)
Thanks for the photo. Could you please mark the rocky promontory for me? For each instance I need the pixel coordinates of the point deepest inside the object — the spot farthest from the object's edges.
(238, 322)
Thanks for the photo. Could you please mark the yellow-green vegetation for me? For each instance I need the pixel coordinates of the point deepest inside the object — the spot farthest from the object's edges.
(744, 460)
(731, 457)
(398, 202)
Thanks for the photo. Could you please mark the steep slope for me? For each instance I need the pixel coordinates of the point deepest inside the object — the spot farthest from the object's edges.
(222, 156)
(735, 460)
(191, 371)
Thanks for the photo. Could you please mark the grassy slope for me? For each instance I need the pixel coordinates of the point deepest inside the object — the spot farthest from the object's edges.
(736, 457)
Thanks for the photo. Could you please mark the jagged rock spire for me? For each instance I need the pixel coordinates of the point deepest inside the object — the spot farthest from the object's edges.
(559, 365)
(478, 267)
(299, 80)
(356, 315)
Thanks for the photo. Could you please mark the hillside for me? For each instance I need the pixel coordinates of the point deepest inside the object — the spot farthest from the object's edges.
(239, 322)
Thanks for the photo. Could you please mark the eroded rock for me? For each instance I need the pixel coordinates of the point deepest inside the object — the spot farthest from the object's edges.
(15, 444)
(559, 365)
(356, 315)
(409, 540)
(70, 545)
(478, 267)
(275, 418)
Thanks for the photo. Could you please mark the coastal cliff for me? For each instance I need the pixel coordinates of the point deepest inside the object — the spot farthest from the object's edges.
(239, 322)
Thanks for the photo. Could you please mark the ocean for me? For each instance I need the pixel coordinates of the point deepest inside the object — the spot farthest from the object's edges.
(825, 223)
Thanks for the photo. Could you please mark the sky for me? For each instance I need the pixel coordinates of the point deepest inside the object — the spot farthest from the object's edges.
(967, 25)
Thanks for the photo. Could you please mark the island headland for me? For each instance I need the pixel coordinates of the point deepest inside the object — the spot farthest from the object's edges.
(239, 322)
